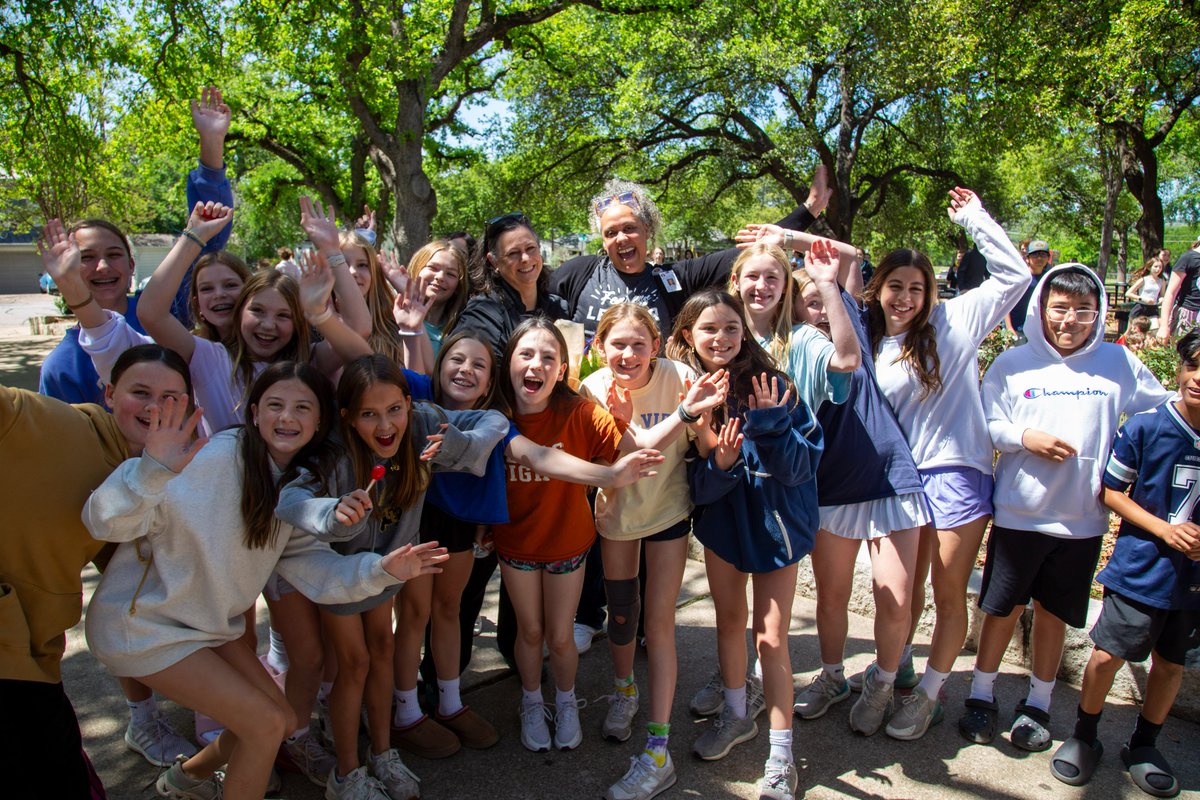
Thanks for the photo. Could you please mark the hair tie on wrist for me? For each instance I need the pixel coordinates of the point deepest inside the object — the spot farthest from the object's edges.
(685, 416)
(322, 318)
(76, 306)
(191, 234)
(402, 332)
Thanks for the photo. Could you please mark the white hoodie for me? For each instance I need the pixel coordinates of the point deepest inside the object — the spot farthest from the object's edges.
(1079, 398)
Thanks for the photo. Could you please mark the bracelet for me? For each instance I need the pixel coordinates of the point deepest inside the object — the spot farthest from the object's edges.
(322, 318)
(402, 332)
(76, 306)
(685, 416)
(335, 260)
(191, 234)
(787, 239)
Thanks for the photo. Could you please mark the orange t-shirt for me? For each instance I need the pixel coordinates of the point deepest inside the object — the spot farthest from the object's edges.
(550, 520)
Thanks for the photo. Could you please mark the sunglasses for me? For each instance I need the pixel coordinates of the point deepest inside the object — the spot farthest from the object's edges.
(624, 198)
(497, 225)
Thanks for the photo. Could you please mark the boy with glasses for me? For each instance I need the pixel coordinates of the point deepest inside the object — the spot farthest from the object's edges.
(1052, 407)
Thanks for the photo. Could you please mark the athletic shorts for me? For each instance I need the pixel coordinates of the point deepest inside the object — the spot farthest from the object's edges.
(277, 587)
(1056, 571)
(1132, 630)
(564, 567)
(957, 495)
(450, 532)
(677, 531)
(875, 519)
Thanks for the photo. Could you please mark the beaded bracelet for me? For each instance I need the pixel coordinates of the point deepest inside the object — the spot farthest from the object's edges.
(191, 234)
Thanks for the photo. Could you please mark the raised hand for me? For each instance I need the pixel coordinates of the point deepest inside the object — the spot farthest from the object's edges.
(619, 402)
(729, 444)
(413, 561)
(635, 466)
(367, 220)
(707, 393)
(821, 261)
(393, 270)
(210, 115)
(172, 438)
(411, 306)
(1046, 445)
(320, 225)
(353, 507)
(316, 286)
(960, 198)
(209, 219)
(765, 392)
(60, 254)
(754, 232)
(819, 191)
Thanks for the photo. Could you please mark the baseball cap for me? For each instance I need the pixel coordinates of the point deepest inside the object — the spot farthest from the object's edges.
(1037, 246)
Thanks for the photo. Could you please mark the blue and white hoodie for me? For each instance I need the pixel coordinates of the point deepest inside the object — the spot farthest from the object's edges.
(762, 513)
(1079, 398)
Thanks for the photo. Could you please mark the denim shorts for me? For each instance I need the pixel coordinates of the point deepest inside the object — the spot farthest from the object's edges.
(564, 567)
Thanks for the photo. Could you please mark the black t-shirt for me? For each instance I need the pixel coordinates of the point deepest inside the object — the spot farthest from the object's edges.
(1188, 266)
(607, 286)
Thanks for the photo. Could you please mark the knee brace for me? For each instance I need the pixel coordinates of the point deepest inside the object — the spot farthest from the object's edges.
(624, 606)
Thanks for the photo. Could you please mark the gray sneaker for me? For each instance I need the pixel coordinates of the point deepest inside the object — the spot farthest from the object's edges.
(357, 785)
(710, 699)
(157, 742)
(643, 781)
(872, 706)
(174, 783)
(779, 780)
(618, 723)
(756, 698)
(822, 692)
(725, 732)
(906, 677)
(400, 781)
(914, 716)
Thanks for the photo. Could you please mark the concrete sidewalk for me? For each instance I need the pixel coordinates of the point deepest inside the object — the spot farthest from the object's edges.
(834, 762)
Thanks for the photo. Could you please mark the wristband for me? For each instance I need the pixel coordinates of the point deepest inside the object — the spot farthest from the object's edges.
(685, 416)
(322, 318)
(191, 234)
(76, 306)
(787, 240)
(402, 332)
(335, 260)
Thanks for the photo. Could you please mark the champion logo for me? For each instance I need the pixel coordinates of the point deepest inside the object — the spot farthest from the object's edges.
(1035, 393)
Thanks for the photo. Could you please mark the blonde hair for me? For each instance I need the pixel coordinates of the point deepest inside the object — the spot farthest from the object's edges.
(781, 315)
(381, 297)
(458, 300)
(296, 349)
(621, 312)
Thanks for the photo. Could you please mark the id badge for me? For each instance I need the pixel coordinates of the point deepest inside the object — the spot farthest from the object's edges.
(670, 280)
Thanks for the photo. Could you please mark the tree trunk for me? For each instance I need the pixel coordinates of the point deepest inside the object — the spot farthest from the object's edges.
(1139, 163)
(1123, 253)
(401, 169)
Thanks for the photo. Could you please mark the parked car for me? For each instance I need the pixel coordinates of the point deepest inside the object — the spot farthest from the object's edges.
(46, 284)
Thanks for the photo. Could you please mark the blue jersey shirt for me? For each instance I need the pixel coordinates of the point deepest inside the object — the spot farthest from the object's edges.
(1157, 454)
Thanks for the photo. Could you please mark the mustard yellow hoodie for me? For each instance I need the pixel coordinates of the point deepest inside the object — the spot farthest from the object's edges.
(52, 455)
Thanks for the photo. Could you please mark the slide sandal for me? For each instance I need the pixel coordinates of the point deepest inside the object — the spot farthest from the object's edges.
(1075, 762)
(1150, 771)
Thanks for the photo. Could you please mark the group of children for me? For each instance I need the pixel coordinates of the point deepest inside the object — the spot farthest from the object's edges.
(774, 416)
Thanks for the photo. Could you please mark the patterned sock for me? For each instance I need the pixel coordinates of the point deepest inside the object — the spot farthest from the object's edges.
(656, 742)
(625, 686)
(781, 744)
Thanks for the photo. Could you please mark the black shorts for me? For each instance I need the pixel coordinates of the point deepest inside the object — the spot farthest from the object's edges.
(1132, 630)
(452, 533)
(676, 531)
(1056, 571)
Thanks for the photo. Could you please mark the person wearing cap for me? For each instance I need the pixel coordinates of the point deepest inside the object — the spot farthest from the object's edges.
(1037, 256)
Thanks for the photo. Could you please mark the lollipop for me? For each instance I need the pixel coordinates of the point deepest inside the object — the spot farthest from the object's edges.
(377, 473)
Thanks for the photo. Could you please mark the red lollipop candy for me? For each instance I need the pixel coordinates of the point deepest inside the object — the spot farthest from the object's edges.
(377, 473)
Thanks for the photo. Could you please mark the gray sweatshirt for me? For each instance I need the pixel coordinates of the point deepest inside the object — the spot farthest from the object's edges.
(182, 577)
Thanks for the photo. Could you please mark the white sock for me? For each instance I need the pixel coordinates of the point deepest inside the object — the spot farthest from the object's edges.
(533, 698)
(408, 708)
(981, 685)
(735, 701)
(883, 676)
(296, 734)
(562, 698)
(837, 671)
(933, 681)
(449, 698)
(277, 656)
(323, 692)
(757, 671)
(781, 744)
(141, 712)
(906, 656)
(1039, 693)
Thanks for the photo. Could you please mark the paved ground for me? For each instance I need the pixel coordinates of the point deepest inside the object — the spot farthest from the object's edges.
(835, 763)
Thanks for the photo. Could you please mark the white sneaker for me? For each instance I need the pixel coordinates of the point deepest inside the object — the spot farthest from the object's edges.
(400, 781)
(357, 785)
(567, 733)
(643, 781)
(535, 734)
(583, 637)
(157, 741)
(309, 758)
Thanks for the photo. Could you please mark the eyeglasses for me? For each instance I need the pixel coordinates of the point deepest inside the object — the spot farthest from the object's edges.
(624, 198)
(1084, 316)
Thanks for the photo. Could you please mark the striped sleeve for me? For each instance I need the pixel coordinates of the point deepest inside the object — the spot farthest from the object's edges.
(1122, 469)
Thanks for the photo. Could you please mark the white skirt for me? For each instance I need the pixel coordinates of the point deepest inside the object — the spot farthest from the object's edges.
(875, 519)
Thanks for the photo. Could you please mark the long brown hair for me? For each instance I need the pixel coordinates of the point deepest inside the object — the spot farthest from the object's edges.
(920, 343)
(407, 475)
(493, 399)
(538, 322)
(750, 362)
(462, 291)
(260, 488)
(203, 327)
(295, 350)
(380, 298)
